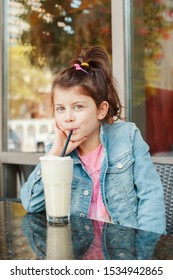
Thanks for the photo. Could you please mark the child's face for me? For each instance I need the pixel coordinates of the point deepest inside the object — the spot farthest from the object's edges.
(77, 112)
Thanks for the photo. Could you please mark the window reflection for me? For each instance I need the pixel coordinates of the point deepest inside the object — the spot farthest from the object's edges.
(152, 70)
(43, 36)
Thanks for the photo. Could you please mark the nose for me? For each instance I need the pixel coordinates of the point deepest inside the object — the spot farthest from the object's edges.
(69, 117)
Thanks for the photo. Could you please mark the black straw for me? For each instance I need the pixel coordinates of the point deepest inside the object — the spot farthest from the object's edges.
(66, 143)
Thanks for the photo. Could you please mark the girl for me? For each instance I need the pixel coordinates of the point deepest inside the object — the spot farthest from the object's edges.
(114, 177)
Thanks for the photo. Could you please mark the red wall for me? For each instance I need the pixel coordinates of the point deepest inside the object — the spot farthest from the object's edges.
(159, 119)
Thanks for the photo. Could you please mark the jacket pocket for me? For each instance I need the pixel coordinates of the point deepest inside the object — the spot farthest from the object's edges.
(120, 173)
(121, 163)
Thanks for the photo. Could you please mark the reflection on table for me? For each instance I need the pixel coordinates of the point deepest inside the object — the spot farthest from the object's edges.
(28, 236)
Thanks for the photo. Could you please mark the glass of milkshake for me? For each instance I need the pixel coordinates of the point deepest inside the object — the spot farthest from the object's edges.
(57, 175)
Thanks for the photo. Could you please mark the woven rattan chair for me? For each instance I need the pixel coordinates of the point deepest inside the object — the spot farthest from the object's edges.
(164, 167)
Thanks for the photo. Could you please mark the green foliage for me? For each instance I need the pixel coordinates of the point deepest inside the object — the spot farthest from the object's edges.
(26, 84)
(59, 29)
(152, 25)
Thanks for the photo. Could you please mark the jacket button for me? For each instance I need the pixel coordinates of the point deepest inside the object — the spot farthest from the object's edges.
(82, 215)
(86, 192)
(120, 165)
(121, 255)
(87, 227)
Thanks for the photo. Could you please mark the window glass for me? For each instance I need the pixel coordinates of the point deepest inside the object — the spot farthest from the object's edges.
(151, 62)
(42, 37)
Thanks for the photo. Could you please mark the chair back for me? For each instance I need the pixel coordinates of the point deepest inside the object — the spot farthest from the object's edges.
(164, 167)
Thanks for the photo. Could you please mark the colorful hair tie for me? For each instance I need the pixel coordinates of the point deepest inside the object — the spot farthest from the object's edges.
(78, 67)
(85, 64)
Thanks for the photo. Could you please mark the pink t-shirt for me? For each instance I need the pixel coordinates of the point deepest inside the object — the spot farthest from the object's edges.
(92, 162)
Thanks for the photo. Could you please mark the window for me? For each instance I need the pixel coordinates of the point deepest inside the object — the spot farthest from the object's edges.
(150, 71)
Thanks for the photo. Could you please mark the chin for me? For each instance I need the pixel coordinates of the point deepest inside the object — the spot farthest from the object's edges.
(76, 137)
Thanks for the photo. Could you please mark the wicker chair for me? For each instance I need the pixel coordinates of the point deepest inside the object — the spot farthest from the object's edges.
(164, 167)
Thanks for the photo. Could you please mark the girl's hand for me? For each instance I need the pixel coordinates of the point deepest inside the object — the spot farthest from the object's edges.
(59, 143)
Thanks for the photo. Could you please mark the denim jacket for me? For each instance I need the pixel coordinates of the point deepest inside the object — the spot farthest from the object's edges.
(130, 185)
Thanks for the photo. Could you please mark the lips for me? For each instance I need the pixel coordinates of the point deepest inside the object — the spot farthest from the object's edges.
(74, 130)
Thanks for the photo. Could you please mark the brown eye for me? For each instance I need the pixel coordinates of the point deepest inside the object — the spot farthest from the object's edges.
(59, 109)
(77, 107)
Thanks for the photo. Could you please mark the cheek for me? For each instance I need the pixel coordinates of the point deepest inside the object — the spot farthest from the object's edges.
(58, 120)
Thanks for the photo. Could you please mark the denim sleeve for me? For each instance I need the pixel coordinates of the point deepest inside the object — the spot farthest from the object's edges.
(149, 189)
(32, 193)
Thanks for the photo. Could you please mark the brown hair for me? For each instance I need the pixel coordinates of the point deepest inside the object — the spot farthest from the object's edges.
(95, 81)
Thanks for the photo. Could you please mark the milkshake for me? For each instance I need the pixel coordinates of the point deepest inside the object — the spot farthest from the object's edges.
(57, 175)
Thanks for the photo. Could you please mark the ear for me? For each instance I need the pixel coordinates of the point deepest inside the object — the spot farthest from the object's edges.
(102, 110)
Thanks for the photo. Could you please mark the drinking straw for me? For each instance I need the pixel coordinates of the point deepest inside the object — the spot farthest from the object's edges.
(66, 143)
